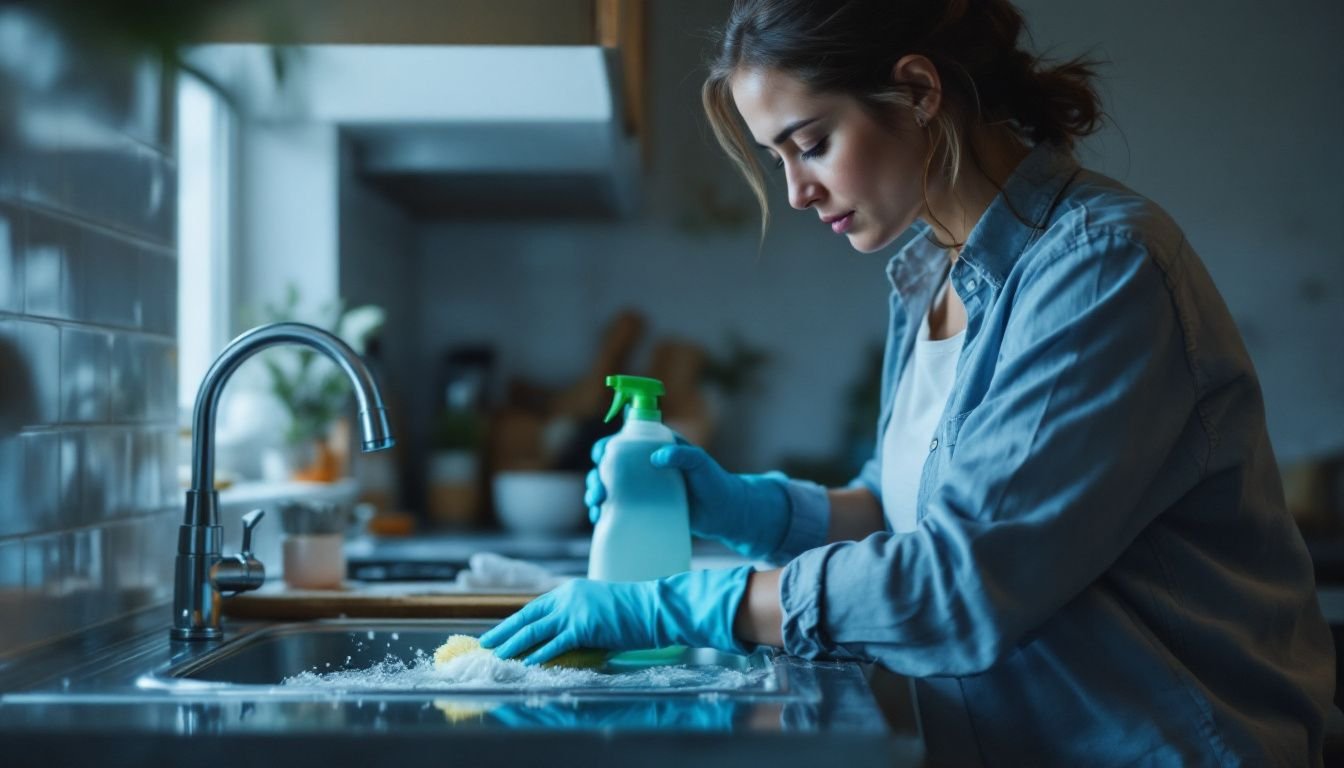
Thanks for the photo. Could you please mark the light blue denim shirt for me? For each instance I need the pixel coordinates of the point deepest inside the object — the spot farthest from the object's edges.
(1103, 572)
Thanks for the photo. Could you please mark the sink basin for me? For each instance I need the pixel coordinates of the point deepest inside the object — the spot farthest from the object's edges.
(126, 688)
(337, 654)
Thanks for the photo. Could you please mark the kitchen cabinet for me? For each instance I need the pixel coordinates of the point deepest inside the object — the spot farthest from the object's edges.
(618, 25)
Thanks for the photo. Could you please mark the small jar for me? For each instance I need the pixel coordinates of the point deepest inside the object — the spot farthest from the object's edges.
(314, 560)
(313, 548)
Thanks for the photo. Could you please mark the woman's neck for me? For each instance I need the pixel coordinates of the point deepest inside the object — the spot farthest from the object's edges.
(956, 210)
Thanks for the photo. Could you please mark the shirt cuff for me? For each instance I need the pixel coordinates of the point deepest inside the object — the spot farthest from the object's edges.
(809, 520)
(800, 597)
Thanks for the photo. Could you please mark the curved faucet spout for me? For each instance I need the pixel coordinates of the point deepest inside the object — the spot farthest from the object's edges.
(372, 416)
(197, 581)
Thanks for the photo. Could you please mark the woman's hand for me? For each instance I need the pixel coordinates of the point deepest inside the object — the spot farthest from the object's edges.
(696, 608)
(749, 513)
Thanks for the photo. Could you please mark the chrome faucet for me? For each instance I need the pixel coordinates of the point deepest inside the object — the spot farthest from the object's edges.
(202, 573)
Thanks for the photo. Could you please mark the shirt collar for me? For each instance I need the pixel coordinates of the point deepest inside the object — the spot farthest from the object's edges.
(1012, 220)
(1019, 212)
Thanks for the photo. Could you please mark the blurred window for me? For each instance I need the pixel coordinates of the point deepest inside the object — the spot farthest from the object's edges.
(204, 163)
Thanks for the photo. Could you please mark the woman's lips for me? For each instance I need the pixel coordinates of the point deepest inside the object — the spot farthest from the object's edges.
(841, 225)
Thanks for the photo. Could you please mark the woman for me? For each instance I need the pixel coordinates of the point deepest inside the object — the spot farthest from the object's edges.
(1071, 533)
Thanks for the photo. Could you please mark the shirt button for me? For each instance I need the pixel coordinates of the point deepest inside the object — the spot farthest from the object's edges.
(933, 446)
(970, 285)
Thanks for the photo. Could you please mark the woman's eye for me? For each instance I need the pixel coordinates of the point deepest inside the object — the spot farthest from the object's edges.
(817, 150)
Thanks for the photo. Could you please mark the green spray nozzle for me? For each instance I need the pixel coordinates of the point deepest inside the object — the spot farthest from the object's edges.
(640, 392)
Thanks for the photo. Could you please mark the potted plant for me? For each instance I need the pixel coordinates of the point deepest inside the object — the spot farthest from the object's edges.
(313, 392)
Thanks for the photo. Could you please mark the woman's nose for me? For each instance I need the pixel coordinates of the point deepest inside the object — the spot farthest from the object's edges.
(803, 191)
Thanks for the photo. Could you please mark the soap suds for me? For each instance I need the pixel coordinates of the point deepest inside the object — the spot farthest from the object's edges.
(484, 670)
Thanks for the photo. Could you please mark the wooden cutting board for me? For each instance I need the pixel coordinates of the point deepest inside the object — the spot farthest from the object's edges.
(384, 602)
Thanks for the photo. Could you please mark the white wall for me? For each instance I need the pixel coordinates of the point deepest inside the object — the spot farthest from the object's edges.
(288, 215)
(377, 259)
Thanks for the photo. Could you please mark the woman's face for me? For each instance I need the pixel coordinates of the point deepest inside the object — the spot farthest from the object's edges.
(863, 178)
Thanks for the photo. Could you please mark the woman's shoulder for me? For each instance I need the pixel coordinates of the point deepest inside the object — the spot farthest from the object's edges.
(1096, 214)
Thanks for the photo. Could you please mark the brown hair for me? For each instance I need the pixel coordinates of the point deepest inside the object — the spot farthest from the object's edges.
(851, 46)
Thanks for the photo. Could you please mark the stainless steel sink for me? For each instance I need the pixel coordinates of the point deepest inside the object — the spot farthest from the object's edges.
(126, 688)
(270, 657)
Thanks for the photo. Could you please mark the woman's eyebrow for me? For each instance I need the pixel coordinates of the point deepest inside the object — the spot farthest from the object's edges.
(784, 135)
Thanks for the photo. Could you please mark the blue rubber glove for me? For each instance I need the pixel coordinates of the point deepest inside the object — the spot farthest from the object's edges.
(626, 713)
(748, 513)
(695, 608)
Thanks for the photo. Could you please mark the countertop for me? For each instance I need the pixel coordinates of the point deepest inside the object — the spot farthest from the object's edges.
(83, 701)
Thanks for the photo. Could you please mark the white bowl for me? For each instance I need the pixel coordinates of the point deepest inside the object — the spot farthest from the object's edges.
(529, 501)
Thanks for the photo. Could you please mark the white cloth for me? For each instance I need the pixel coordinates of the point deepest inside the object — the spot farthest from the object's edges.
(487, 570)
(920, 398)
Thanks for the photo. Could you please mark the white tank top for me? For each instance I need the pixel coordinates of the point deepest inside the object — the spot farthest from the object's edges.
(920, 398)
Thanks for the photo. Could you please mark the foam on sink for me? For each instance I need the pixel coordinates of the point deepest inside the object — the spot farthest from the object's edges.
(483, 670)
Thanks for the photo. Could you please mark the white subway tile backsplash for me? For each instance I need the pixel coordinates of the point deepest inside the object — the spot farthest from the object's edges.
(10, 169)
(71, 480)
(171, 493)
(13, 515)
(124, 185)
(43, 179)
(128, 384)
(41, 350)
(85, 578)
(104, 277)
(160, 534)
(143, 484)
(89, 507)
(96, 470)
(86, 560)
(48, 248)
(125, 563)
(118, 477)
(161, 378)
(41, 478)
(158, 292)
(153, 474)
(85, 358)
(44, 565)
(13, 231)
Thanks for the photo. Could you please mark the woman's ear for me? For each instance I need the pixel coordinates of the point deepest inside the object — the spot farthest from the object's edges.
(918, 71)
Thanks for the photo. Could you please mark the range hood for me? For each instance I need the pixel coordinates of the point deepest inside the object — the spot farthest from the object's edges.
(457, 130)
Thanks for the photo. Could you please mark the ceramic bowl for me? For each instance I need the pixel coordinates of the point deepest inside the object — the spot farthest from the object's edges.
(534, 501)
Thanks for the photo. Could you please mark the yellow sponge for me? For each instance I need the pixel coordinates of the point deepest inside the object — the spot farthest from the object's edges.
(579, 658)
(455, 646)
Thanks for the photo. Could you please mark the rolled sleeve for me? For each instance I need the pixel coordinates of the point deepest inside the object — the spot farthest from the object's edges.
(800, 597)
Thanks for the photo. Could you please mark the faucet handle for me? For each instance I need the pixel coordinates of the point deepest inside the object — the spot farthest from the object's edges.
(233, 574)
(250, 521)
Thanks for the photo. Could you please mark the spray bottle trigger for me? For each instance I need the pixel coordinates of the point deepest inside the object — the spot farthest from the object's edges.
(618, 404)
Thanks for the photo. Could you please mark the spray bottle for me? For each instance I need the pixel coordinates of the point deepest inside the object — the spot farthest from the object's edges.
(643, 531)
